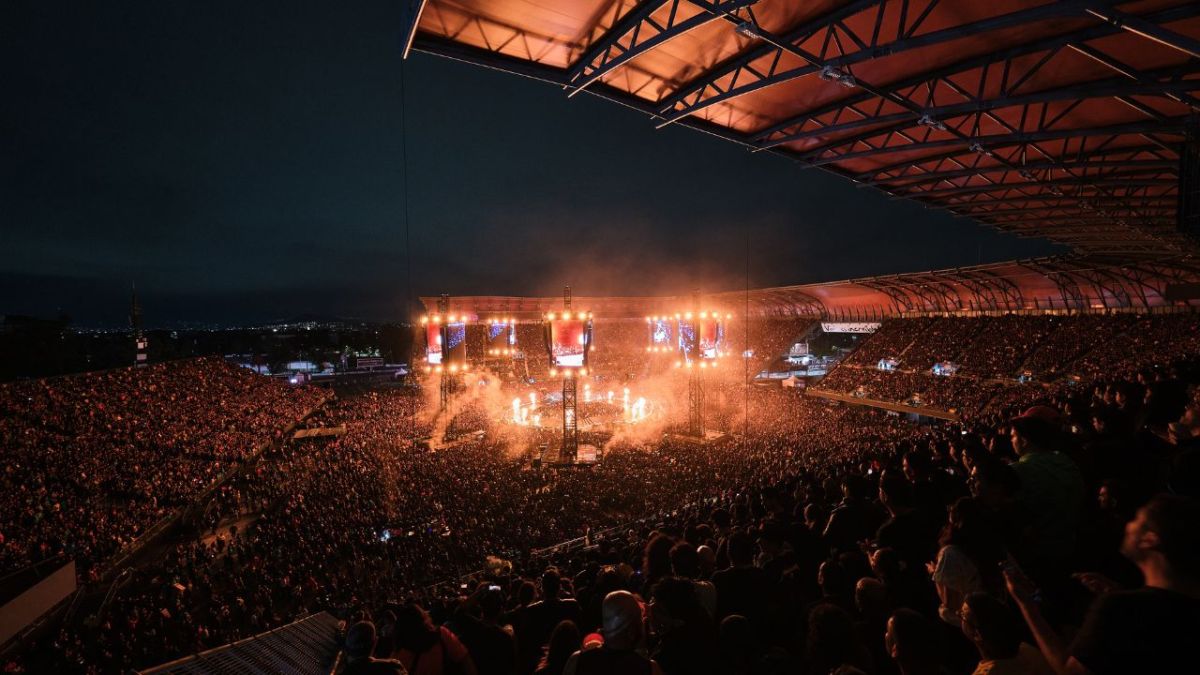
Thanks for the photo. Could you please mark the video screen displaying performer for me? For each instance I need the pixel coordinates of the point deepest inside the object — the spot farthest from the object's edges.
(569, 340)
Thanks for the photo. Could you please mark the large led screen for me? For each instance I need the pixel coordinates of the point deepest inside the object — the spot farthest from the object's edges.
(456, 343)
(660, 332)
(433, 344)
(446, 343)
(569, 340)
(710, 335)
(701, 338)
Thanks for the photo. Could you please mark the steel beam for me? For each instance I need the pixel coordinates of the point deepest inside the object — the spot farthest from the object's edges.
(919, 80)
(1148, 30)
(1142, 166)
(946, 114)
(1080, 158)
(609, 54)
(904, 43)
(1114, 180)
(1008, 139)
(410, 19)
(744, 60)
(623, 26)
(897, 122)
(995, 141)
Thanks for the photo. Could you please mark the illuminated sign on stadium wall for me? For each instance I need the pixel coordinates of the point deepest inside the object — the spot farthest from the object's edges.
(850, 326)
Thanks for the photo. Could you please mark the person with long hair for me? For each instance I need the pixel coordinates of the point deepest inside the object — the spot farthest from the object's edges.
(968, 559)
(425, 649)
(564, 641)
(656, 561)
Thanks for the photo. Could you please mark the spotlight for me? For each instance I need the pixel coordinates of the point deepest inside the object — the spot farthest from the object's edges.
(928, 120)
(831, 74)
(748, 29)
(978, 148)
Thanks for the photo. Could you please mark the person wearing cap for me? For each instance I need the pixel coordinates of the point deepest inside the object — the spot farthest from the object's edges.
(360, 644)
(1052, 487)
(622, 628)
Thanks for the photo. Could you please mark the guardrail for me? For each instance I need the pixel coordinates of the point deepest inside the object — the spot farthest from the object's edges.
(883, 405)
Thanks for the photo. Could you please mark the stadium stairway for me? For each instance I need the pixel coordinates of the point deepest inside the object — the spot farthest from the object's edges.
(309, 646)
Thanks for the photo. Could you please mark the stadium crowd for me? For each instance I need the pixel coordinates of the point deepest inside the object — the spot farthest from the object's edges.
(1007, 359)
(91, 461)
(827, 538)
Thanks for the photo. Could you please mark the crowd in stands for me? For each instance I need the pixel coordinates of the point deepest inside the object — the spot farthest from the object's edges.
(991, 353)
(762, 340)
(944, 339)
(918, 389)
(1004, 343)
(920, 551)
(889, 342)
(92, 461)
(1074, 337)
(828, 538)
(1149, 340)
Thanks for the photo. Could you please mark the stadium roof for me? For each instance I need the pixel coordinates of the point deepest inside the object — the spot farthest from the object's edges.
(1061, 119)
(1040, 284)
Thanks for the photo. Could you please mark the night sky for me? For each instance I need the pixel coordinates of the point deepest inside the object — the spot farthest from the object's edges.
(242, 161)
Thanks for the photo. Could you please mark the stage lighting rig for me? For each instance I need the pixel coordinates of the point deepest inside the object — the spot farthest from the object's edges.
(568, 336)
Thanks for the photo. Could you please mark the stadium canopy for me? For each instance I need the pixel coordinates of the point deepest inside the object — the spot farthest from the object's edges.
(1072, 284)
(1062, 119)
(1071, 120)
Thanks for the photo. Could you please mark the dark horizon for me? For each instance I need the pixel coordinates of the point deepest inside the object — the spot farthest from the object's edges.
(244, 164)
